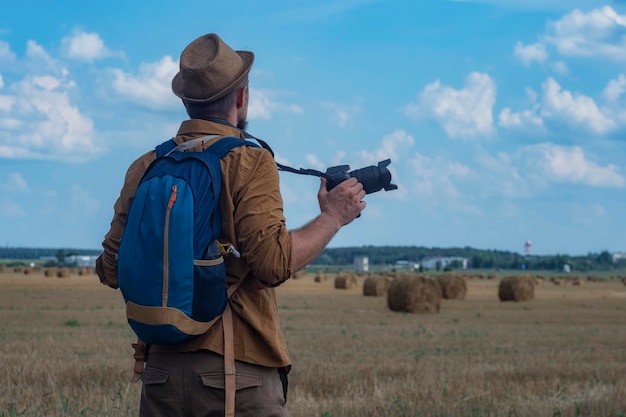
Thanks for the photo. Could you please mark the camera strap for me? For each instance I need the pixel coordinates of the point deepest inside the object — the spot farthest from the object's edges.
(264, 145)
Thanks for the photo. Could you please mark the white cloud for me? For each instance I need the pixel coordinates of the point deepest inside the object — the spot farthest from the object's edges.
(575, 109)
(151, 87)
(433, 181)
(343, 115)
(598, 33)
(6, 103)
(530, 53)
(562, 107)
(505, 178)
(569, 164)
(464, 113)
(313, 162)
(523, 119)
(615, 88)
(85, 47)
(546, 162)
(41, 122)
(6, 55)
(262, 104)
(36, 52)
(560, 67)
(14, 182)
(393, 145)
(521, 173)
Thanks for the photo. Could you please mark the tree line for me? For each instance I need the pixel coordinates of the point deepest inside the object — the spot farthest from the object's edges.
(476, 258)
(389, 255)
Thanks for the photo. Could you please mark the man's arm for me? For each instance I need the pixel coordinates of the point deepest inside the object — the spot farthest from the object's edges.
(338, 207)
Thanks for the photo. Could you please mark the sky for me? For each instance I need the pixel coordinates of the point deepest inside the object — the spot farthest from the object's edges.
(504, 119)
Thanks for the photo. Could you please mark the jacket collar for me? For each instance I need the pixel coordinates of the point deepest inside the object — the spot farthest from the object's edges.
(190, 129)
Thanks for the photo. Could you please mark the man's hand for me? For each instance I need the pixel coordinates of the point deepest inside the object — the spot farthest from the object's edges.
(344, 202)
(339, 207)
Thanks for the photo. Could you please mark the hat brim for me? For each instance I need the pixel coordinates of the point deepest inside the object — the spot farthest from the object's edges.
(178, 86)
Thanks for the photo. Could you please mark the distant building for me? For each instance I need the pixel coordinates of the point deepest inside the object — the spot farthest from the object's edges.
(78, 260)
(361, 264)
(405, 266)
(618, 257)
(443, 261)
(82, 260)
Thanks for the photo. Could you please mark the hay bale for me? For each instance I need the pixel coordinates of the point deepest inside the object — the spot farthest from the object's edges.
(453, 286)
(320, 277)
(298, 274)
(516, 288)
(345, 281)
(376, 286)
(414, 294)
(64, 273)
(51, 271)
(85, 270)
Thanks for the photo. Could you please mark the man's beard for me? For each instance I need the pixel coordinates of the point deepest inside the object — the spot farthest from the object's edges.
(242, 124)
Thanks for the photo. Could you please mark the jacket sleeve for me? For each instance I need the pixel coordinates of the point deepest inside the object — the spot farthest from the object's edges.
(106, 264)
(259, 222)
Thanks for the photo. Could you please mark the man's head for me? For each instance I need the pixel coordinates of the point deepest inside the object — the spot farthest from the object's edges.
(213, 79)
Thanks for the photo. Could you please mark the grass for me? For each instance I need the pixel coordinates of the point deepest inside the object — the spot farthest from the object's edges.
(65, 351)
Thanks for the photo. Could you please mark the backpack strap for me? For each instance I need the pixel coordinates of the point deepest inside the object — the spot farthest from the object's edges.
(141, 354)
(230, 386)
(224, 145)
(220, 148)
(165, 148)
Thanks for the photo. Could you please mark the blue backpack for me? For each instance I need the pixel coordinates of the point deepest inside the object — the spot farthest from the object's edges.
(171, 270)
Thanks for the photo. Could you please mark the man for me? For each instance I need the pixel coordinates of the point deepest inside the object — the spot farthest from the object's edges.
(188, 379)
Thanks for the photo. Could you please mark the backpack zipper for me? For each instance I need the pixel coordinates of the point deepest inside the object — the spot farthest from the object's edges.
(166, 239)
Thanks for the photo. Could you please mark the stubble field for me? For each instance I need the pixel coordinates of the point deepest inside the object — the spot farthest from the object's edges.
(65, 351)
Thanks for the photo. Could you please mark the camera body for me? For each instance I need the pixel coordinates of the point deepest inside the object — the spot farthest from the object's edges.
(374, 177)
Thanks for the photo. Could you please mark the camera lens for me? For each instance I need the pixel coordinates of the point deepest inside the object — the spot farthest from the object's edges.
(375, 178)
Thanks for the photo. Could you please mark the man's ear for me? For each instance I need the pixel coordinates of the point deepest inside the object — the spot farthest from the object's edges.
(242, 94)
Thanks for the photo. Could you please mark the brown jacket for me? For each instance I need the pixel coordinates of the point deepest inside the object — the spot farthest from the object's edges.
(253, 221)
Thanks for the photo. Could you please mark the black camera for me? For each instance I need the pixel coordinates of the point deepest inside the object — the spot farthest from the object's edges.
(374, 177)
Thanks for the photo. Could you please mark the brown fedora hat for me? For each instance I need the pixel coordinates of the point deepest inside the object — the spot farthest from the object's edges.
(210, 69)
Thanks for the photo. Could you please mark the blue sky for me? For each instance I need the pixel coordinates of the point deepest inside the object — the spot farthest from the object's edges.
(504, 119)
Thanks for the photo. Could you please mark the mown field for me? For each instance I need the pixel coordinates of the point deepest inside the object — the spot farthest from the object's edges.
(65, 351)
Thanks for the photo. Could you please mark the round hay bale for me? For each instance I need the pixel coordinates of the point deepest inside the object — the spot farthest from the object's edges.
(51, 271)
(28, 270)
(298, 274)
(516, 288)
(320, 277)
(414, 294)
(64, 273)
(345, 281)
(85, 270)
(453, 286)
(2, 268)
(376, 286)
